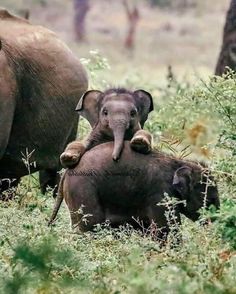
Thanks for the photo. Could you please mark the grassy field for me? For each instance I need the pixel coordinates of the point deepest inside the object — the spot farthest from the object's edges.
(195, 115)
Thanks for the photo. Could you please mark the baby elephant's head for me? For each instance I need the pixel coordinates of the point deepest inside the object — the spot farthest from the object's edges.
(197, 187)
(119, 112)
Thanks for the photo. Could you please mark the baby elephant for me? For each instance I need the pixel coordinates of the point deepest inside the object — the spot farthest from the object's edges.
(130, 189)
(116, 114)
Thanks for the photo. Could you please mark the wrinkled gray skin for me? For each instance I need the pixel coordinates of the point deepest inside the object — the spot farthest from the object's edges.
(116, 114)
(41, 82)
(130, 189)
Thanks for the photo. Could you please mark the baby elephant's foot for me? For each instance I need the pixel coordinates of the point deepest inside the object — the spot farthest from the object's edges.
(71, 156)
(69, 159)
(142, 142)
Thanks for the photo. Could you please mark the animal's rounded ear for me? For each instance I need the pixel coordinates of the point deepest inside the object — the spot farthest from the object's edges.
(183, 181)
(88, 106)
(144, 103)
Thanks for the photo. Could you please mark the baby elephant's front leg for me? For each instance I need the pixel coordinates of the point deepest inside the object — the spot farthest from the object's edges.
(72, 154)
(142, 142)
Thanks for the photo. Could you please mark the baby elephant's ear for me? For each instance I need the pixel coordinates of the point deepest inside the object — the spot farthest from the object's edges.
(144, 103)
(88, 106)
(182, 181)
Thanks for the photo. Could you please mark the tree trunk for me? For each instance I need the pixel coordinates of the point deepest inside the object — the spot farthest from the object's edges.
(227, 57)
(81, 8)
(133, 17)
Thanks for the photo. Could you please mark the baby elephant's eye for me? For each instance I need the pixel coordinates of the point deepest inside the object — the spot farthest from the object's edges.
(105, 112)
(133, 112)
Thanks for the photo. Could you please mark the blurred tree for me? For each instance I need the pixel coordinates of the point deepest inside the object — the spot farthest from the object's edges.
(81, 8)
(227, 57)
(133, 17)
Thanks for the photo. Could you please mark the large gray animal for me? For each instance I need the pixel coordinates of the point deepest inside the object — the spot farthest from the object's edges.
(41, 82)
(131, 188)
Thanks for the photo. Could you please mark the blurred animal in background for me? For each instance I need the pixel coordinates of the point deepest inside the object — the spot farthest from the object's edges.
(116, 114)
(227, 57)
(132, 190)
(41, 82)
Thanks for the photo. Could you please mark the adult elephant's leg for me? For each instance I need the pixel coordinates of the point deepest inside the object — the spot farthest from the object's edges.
(49, 178)
(7, 101)
(7, 108)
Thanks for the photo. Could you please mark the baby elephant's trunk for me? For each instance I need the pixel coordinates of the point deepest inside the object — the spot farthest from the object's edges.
(119, 134)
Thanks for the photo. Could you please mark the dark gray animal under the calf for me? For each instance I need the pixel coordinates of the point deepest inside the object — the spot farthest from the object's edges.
(132, 187)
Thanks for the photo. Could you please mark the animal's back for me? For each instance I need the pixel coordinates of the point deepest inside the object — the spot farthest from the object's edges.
(129, 181)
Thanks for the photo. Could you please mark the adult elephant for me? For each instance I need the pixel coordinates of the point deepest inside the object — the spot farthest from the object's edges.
(41, 82)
